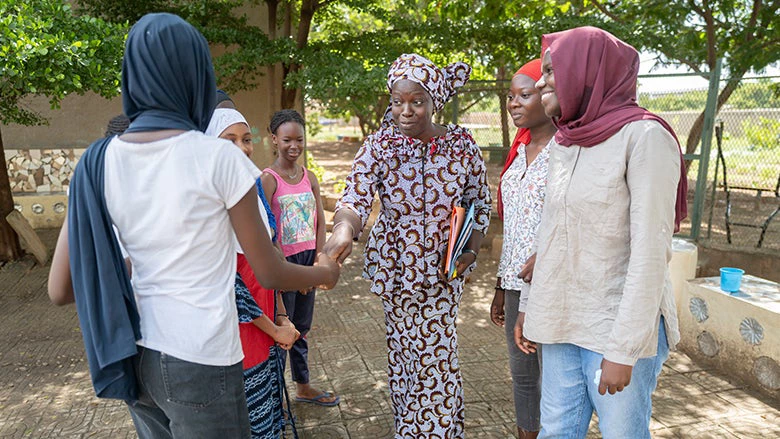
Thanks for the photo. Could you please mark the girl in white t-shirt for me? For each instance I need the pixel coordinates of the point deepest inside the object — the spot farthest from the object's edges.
(176, 197)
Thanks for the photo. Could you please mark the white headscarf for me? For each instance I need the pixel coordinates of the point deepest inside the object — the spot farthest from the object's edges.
(222, 119)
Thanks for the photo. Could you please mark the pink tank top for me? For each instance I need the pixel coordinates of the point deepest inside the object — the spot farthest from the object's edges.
(295, 209)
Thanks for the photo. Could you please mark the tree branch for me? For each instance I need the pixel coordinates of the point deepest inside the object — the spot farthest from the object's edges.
(694, 66)
(603, 10)
(696, 8)
(710, 32)
(753, 19)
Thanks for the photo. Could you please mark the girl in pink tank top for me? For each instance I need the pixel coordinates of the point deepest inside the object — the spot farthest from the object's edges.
(300, 220)
(296, 209)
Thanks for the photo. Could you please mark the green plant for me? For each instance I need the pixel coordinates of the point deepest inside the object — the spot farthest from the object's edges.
(314, 167)
(339, 186)
(313, 125)
(763, 135)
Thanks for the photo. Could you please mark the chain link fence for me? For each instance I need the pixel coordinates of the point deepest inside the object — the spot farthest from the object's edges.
(744, 172)
(749, 145)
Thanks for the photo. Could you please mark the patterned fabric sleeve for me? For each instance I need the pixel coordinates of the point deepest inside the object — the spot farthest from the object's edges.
(477, 190)
(248, 310)
(362, 182)
(501, 271)
(267, 207)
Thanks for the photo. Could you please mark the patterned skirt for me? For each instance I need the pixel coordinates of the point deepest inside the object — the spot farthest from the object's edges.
(423, 370)
(263, 387)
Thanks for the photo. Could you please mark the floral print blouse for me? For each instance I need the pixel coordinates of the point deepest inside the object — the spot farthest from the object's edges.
(418, 185)
(522, 189)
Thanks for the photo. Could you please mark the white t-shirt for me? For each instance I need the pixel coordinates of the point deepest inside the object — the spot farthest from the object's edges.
(266, 223)
(169, 201)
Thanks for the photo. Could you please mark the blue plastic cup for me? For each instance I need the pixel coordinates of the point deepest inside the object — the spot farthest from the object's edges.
(730, 279)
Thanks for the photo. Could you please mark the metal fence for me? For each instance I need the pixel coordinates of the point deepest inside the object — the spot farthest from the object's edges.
(736, 211)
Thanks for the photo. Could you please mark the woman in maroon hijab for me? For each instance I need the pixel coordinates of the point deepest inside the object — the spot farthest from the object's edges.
(601, 304)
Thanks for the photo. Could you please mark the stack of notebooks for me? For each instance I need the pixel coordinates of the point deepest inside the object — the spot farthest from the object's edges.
(461, 224)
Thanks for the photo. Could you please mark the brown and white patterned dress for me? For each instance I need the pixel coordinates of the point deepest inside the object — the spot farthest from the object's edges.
(418, 184)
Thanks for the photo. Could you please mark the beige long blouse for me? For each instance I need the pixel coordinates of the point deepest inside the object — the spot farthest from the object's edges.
(601, 279)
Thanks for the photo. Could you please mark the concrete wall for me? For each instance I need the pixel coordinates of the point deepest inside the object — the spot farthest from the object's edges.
(737, 333)
(760, 263)
(79, 121)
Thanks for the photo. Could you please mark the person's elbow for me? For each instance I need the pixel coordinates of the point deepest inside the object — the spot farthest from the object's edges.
(60, 296)
(60, 289)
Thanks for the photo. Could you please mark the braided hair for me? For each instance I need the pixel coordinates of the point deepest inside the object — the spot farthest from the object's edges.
(281, 117)
(117, 125)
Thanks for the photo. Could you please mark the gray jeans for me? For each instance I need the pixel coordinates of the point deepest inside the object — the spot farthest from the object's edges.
(526, 378)
(180, 399)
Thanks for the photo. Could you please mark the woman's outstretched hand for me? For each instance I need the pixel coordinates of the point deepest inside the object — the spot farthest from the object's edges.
(339, 246)
(334, 270)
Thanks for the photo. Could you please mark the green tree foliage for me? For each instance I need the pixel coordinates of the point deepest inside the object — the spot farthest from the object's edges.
(762, 135)
(352, 47)
(47, 50)
(338, 51)
(695, 33)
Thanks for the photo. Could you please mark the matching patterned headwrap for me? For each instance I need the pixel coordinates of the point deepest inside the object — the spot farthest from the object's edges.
(441, 84)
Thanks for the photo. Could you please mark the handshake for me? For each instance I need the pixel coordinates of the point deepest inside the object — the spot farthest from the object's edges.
(335, 251)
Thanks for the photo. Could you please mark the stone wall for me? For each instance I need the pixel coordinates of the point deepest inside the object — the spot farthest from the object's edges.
(41, 171)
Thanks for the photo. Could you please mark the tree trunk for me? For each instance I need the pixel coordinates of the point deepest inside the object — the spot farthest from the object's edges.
(364, 126)
(308, 8)
(694, 135)
(10, 249)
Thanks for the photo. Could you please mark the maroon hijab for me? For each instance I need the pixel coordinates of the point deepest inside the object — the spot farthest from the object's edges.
(596, 77)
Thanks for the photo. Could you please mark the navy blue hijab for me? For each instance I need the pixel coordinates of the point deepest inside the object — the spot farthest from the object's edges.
(167, 83)
(167, 76)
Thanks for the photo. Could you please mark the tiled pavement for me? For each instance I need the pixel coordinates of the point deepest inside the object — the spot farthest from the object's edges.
(45, 390)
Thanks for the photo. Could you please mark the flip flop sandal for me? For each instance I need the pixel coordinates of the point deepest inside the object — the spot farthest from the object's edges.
(319, 400)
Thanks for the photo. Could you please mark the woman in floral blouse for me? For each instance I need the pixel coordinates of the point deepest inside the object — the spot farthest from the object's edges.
(420, 170)
(520, 200)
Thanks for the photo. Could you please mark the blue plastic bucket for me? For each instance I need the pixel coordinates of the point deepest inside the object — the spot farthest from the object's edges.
(731, 279)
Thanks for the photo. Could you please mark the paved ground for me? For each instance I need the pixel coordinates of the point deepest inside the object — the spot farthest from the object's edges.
(45, 390)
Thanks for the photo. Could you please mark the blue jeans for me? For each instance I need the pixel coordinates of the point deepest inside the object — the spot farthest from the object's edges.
(569, 394)
(180, 399)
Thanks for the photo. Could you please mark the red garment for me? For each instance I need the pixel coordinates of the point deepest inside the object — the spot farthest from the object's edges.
(532, 69)
(522, 137)
(596, 79)
(256, 343)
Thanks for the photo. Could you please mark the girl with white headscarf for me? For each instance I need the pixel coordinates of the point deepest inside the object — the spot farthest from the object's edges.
(263, 370)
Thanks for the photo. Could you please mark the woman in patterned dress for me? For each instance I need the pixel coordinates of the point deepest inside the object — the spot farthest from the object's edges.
(522, 187)
(420, 170)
